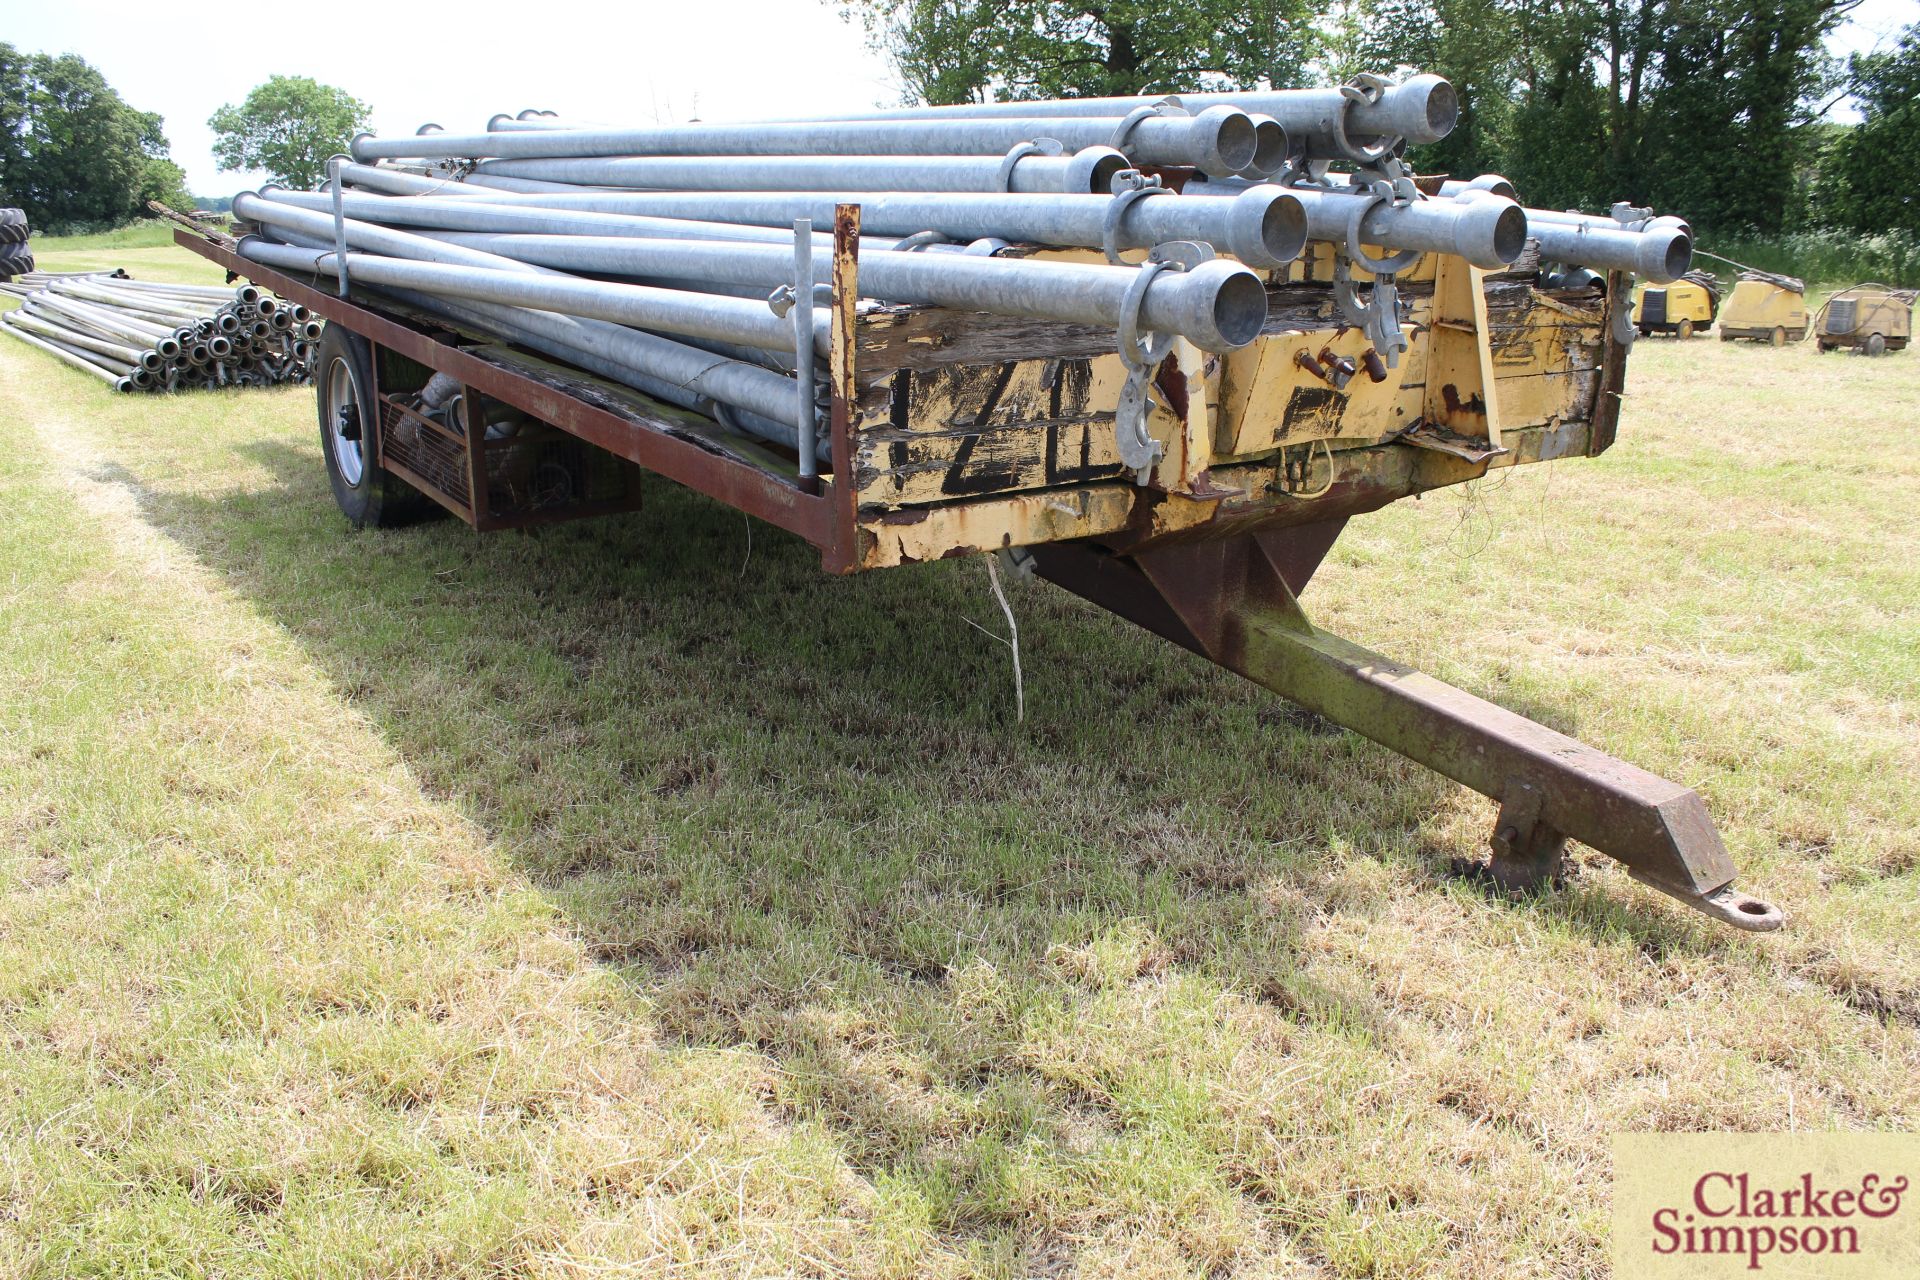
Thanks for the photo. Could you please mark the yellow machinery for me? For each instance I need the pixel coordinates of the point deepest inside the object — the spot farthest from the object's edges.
(1871, 318)
(1767, 308)
(1682, 308)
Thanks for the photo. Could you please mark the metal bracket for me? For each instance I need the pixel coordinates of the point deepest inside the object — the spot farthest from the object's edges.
(334, 164)
(1141, 356)
(805, 412)
(1623, 331)
(1003, 177)
(921, 240)
(1379, 316)
(1627, 215)
(1129, 185)
(1528, 855)
(1367, 88)
(1168, 106)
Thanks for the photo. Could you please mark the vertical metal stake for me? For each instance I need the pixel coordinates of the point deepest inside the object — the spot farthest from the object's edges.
(339, 222)
(803, 351)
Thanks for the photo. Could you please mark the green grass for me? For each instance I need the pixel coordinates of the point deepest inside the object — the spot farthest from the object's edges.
(1834, 259)
(148, 234)
(629, 894)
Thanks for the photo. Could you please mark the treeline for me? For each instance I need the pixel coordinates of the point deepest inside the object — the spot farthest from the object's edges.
(1709, 108)
(1712, 109)
(78, 158)
(73, 153)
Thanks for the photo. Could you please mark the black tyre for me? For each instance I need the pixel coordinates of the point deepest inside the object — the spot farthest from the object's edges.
(13, 234)
(13, 218)
(15, 263)
(1876, 345)
(367, 495)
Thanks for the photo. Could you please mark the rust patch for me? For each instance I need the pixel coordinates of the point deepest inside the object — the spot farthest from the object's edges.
(1173, 385)
(1315, 409)
(1450, 395)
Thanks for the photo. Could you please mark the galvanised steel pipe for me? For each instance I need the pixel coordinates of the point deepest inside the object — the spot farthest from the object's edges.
(1264, 226)
(369, 236)
(500, 182)
(1218, 305)
(659, 367)
(33, 324)
(103, 318)
(1660, 254)
(1604, 222)
(1661, 250)
(396, 182)
(103, 323)
(1485, 182)
(1490, 231)
(215, 294)
(74, 358)
(1271, 146)
(1087, 172)
(1420, 109)
(468, 213)
(1221, 139)
(668, 310)
(147, 356)
(143, 306)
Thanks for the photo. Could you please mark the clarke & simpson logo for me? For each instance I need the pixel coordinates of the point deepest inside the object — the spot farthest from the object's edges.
(1821, 1206)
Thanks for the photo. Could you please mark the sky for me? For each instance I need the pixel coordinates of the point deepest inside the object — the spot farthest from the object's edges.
(458, 64)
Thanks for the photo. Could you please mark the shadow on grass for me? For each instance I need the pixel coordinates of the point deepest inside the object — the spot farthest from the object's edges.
(797, 813)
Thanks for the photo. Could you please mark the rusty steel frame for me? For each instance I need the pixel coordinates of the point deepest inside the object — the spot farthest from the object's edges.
(1227, 589)
(1235, 602)
(818, 518)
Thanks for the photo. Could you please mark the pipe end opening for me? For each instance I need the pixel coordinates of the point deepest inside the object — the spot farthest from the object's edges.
(1443, 108)
(1240, 309)
(1510, 233)
(1283, 227)
(1270, 145)
(1679, 256)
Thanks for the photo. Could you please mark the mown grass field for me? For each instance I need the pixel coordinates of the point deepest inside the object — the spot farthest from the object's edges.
(630, 898)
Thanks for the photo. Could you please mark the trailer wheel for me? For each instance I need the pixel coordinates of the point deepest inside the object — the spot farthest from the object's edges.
(1685, 330)
(1779, 337)
(1876, 344)
(343, 391)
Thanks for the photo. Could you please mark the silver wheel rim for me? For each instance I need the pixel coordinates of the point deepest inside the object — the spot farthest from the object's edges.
(340, 396)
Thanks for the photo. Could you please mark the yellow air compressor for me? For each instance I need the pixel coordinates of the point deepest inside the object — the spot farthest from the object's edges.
(1873, 319)
(1766, 308)
(1682, 308)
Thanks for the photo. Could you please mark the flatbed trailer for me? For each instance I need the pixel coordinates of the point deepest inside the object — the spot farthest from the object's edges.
(955, 434)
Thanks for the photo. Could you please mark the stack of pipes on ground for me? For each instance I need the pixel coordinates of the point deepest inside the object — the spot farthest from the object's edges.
(669, 258)
(142, 336)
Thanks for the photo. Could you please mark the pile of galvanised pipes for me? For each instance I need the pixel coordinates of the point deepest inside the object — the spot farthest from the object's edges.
(143, 336)
(677, 259)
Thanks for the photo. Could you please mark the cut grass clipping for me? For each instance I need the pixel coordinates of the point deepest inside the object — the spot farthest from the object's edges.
(620, 899)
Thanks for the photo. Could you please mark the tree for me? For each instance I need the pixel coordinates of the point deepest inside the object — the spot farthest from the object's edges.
(963, 50)
(72, 152)
(1867, 182)
(1703, 108)
(288, 126)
